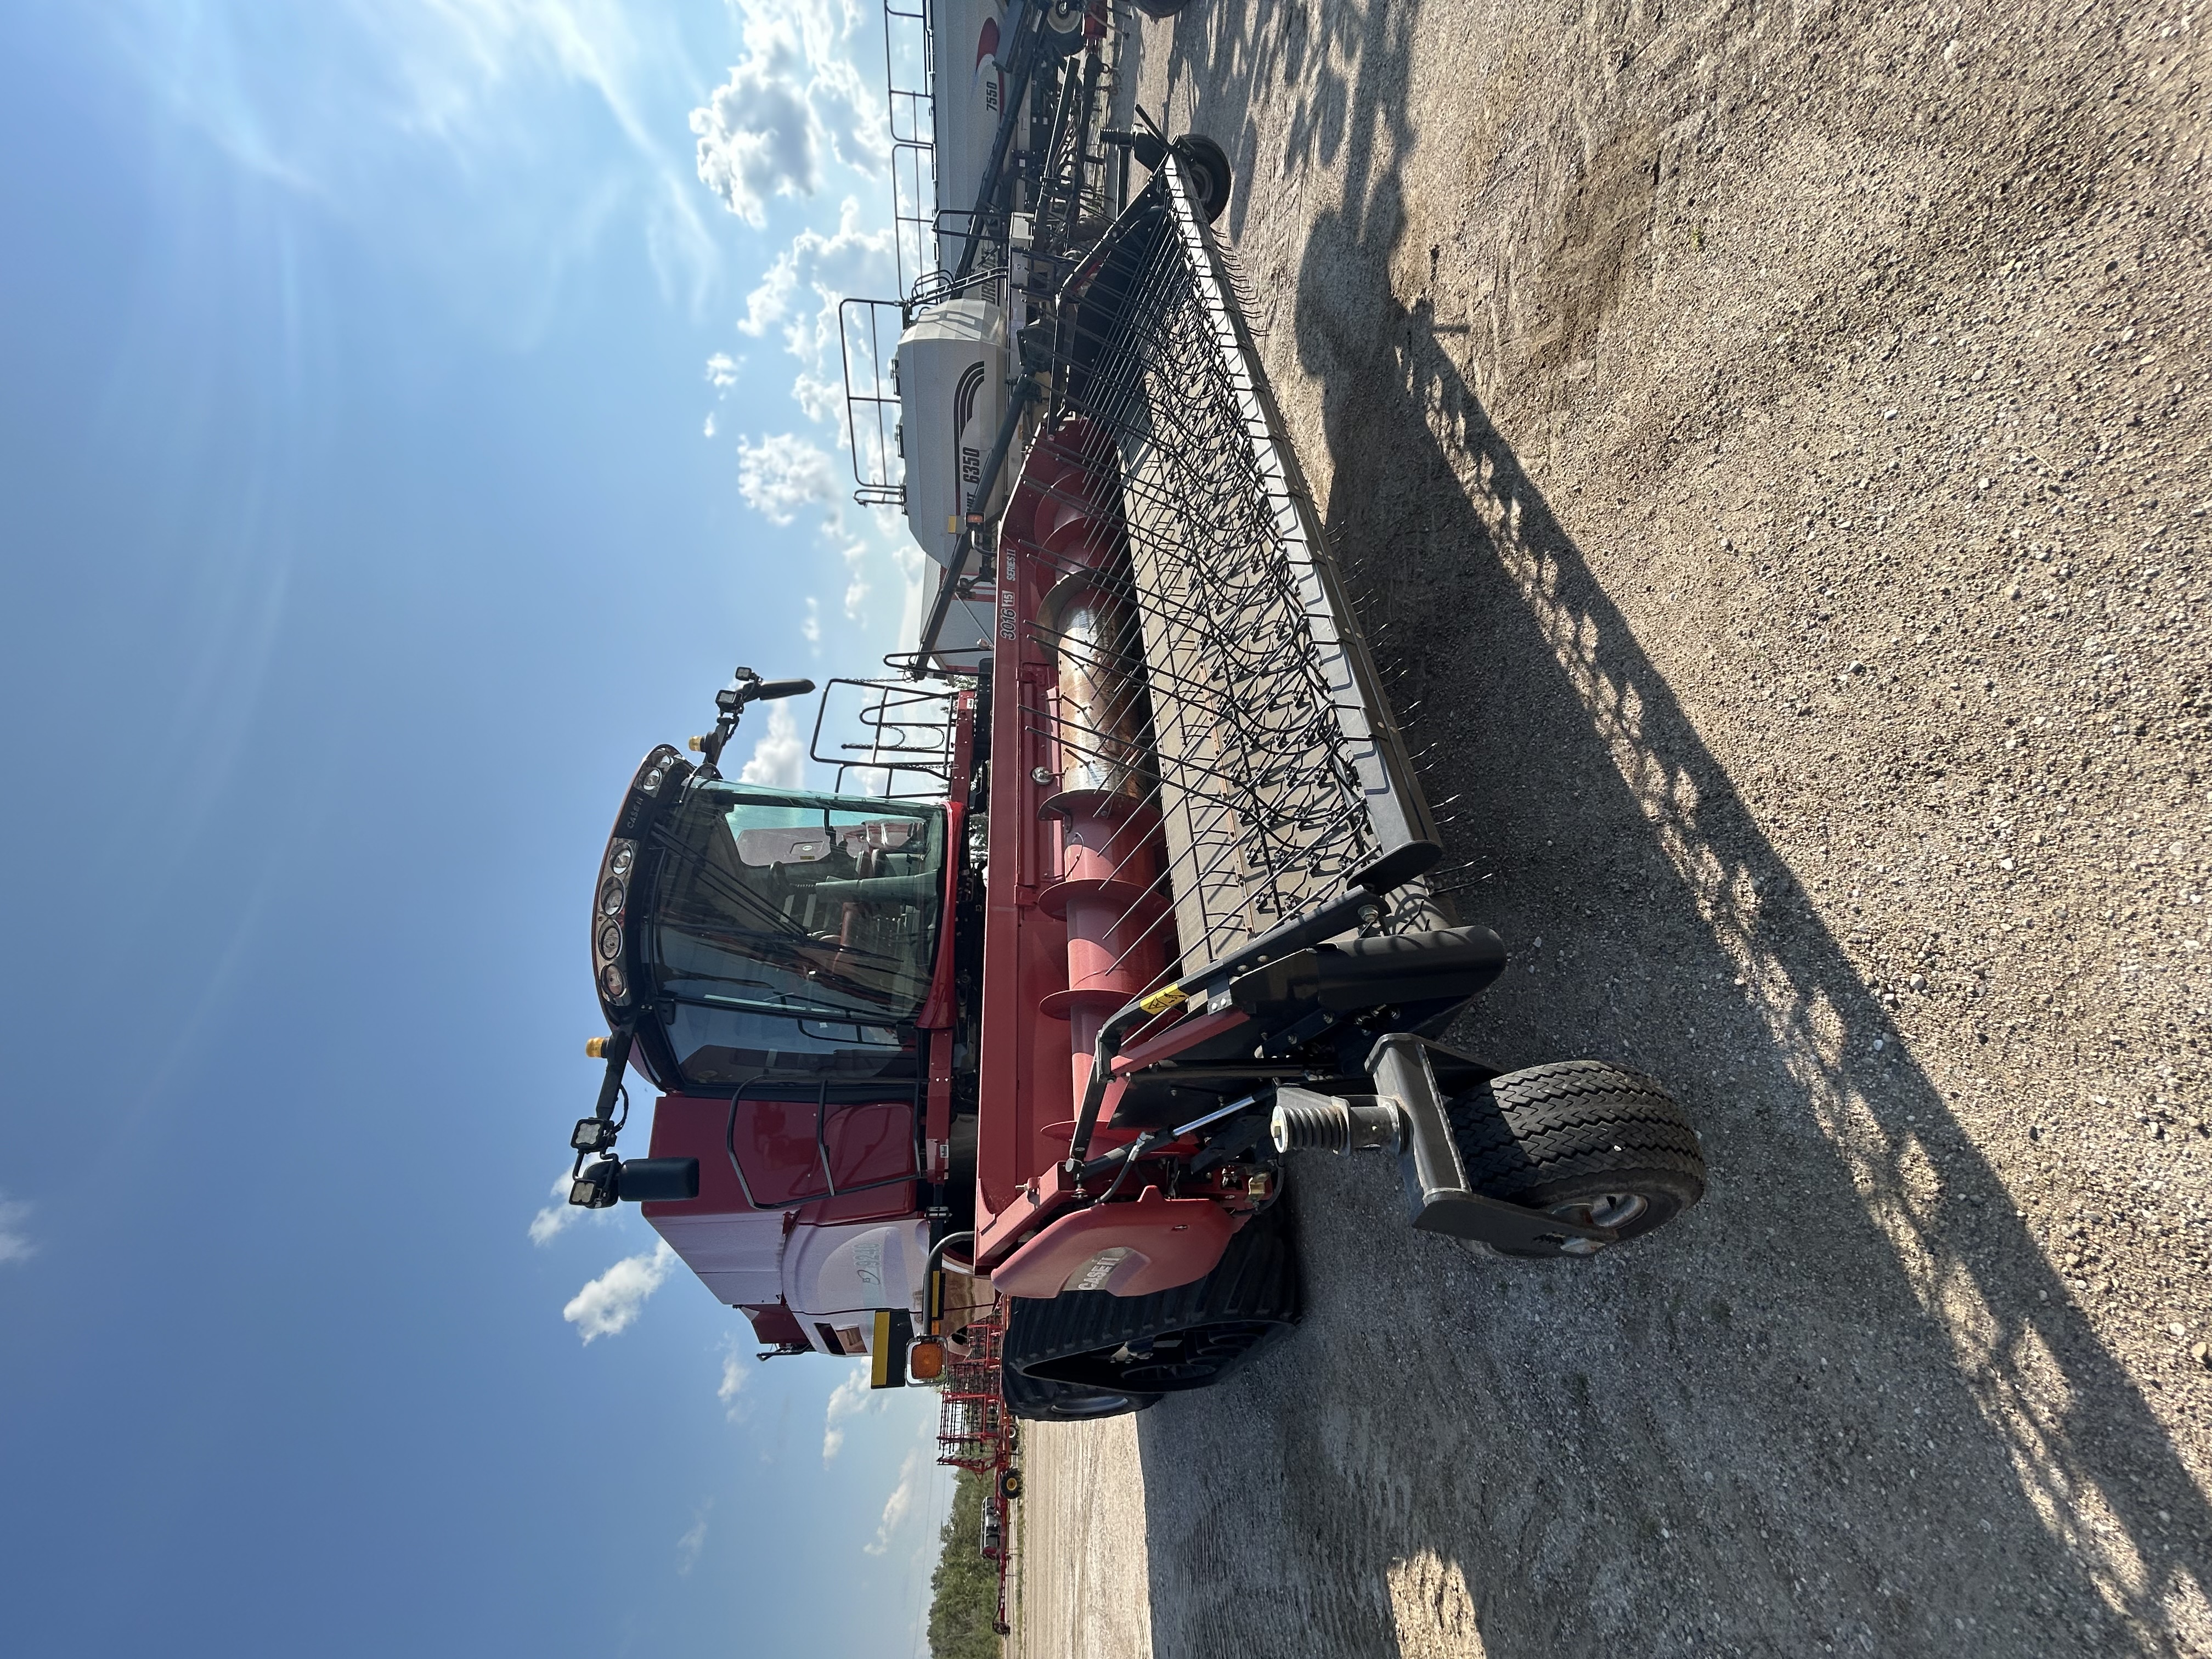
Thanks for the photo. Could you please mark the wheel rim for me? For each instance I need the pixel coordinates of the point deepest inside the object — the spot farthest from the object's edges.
(1603, 1210)
(1183, 1359)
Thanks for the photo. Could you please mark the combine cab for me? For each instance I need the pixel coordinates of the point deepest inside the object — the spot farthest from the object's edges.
(1141, 910)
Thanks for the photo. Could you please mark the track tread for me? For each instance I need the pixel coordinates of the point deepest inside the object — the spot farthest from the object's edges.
(1255, 1282)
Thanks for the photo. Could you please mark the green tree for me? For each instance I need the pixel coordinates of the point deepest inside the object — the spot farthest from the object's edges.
(964, 1591)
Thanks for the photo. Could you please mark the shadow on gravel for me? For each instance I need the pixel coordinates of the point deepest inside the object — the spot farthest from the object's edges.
(1844, 1404)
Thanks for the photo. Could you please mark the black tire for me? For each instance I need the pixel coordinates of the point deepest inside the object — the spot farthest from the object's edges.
(1010, 1484)
(1584, 1139)
(1190, 1337)
(1206, 164)
(1036, 1401)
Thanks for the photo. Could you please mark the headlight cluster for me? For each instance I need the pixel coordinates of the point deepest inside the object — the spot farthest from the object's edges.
(607, 922)
(651, 781)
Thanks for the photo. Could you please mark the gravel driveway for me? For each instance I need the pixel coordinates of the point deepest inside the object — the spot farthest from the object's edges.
(1772, 445)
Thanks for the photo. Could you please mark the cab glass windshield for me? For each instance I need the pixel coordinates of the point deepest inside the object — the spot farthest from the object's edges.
(793, 930)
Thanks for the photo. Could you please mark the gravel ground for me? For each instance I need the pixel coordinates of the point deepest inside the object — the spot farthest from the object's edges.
(1771, 442)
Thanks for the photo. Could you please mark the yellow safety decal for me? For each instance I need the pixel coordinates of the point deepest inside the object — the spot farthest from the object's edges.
(879, 1351)
(1167, 997)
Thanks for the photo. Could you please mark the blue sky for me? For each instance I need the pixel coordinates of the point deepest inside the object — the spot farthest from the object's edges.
(412, 411)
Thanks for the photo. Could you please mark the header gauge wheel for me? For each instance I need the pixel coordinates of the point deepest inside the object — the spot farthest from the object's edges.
(1205, 164)
(1585, 1140)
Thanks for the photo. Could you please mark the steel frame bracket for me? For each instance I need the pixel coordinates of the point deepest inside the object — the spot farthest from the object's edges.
(1438, 1197)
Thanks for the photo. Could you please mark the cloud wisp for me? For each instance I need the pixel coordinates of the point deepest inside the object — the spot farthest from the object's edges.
(15, 1244)
(693, 1541)
(734, 1380)
(550, 1223)
(850, 1400)
(783, 473)
(898, 1505)
(610, 1303)
(442, 125)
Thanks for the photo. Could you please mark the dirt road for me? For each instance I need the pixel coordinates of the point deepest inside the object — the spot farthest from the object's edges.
(1078, 1587)
(1771, 443)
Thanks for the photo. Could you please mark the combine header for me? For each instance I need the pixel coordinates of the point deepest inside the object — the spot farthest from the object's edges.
(1129, 902)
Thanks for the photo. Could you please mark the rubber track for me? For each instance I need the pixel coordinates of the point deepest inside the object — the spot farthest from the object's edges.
(1552, 1122)
(1036, 1401)
(1256, 1279)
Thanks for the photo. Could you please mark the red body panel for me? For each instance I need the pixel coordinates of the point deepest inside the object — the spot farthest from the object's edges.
(1166, 1241)
(872, 1141)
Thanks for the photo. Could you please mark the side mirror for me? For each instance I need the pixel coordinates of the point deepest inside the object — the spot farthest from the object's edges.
(609, 1181)
(659, 1180)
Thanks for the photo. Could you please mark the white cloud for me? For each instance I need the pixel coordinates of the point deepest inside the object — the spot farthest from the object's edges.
(770, 302)
(779, 759)
(850, 1400)
(898, 1504)
(851, 260)
(15, 1245)
(810, 630)
(733, 1379)
(709, 429)
(610, 1303)
(782, 473)
(854, 551)
(722, 370)
(550, 1223)
(796, 102)
(694, 1540)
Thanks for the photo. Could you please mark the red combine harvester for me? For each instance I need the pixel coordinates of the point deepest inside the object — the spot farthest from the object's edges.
(1135, 904)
